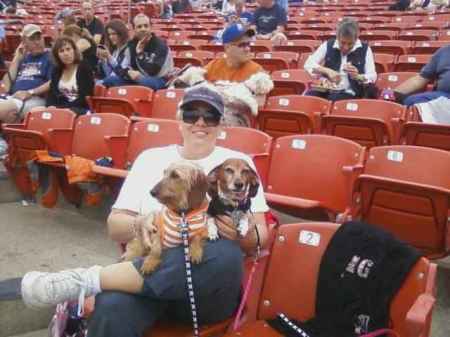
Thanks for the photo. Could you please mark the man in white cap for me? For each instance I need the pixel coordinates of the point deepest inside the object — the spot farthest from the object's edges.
(28, 76)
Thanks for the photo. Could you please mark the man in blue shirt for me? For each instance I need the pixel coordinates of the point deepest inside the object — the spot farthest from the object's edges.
(269, 20)
(436, 70)
(28, 76)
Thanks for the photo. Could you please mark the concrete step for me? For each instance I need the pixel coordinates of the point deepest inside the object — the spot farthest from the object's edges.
(39, 333)
(8, 191)
(35, 238)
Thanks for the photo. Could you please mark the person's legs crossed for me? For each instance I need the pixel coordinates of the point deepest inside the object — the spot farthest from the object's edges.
(338, 96)
(424, 97)
(152, 82)
(217, 282)
(119, 314)
(316, 93)
(113, 81)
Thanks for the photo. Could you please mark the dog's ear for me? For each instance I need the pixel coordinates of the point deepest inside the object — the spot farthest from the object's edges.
(213, 178)
(253, 180)
(197, 193)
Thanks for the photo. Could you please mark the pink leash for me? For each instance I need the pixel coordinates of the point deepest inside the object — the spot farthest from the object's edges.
(247, 290)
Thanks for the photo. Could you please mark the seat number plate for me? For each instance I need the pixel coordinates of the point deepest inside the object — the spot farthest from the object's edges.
(309, 238)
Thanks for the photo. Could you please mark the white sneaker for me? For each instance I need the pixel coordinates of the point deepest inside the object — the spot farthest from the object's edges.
(41, 290)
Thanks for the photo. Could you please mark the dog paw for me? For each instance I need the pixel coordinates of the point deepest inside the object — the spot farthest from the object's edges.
(196, 255)
(149, 265)
(243, 227)
(213, 233)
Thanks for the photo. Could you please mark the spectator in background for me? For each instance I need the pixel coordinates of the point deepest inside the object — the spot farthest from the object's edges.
(270, 20)
(437, 69)
(228, 7)
(85, 44)
(114, 55)
(65, 18)
(26, 80)
(236, 65)
(28, 76)
(150, 59)
(71, 80)
(240, 15)
(242, 82)
(180, 6)
(91, 22)
(345, 62)
(285, 5)
(2, 41)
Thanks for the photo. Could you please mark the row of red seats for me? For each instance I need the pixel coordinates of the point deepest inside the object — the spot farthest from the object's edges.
(413, 179)
(368, 122)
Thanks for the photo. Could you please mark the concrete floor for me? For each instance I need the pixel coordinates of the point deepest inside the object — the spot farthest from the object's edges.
(33, 237)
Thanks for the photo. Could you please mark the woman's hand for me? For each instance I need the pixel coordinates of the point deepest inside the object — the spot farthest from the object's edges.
(144, 227)
(103, 54)
(228, 229)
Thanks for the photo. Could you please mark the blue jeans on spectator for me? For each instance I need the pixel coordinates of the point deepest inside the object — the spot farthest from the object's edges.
(424, 97)
(151, 82)
(217, 286)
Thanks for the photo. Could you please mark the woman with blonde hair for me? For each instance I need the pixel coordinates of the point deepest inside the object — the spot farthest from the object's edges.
(72, 80)
(86, 45)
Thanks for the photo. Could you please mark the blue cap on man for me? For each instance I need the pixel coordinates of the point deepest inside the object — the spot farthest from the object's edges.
(236, 31)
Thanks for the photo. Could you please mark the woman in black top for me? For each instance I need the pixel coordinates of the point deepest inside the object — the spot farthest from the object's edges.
(85, 43)
(72, 80)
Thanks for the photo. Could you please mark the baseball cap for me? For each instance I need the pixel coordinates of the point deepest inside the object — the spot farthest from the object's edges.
(206, 95)
(235, 31)
(30, 29)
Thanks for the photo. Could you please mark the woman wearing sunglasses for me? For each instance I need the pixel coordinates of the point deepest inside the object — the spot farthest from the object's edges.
(127, 303)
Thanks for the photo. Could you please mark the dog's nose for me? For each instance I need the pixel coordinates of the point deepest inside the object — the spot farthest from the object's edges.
(238, 185)
(154, 191)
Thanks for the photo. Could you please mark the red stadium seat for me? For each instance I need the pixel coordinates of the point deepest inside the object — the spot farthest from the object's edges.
(411, 62)
(165, 103)
(289, 289)
(406, 190)
(144, 134)
(393, 79)
(416, 132)
(290, 82)
(292, 114)
(35, 132)
(384, 62)
(366, 121)
(390, 47)
(290, 57)
(315, 162)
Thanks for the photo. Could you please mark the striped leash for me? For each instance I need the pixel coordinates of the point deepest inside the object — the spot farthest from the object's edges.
(187, 261)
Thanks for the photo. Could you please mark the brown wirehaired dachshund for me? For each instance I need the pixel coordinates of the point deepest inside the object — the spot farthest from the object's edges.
(182, 191)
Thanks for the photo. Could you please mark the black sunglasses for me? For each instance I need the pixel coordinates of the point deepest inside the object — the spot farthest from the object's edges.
(192, 116)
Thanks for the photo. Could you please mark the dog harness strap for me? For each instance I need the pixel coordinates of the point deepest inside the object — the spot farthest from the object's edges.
(189, 284)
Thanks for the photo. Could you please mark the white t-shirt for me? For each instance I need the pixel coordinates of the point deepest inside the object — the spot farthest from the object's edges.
(148, 170)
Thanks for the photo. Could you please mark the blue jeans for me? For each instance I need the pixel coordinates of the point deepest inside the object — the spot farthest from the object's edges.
(151, 82)
(424, 97)
(217, 286)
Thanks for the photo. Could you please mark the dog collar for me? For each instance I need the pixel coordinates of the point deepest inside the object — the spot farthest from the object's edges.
(193, 214)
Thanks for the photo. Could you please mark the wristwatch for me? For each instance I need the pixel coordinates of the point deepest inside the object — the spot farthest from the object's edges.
(31, 92)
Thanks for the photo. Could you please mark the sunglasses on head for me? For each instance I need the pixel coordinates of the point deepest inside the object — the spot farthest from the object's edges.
(192, 116)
